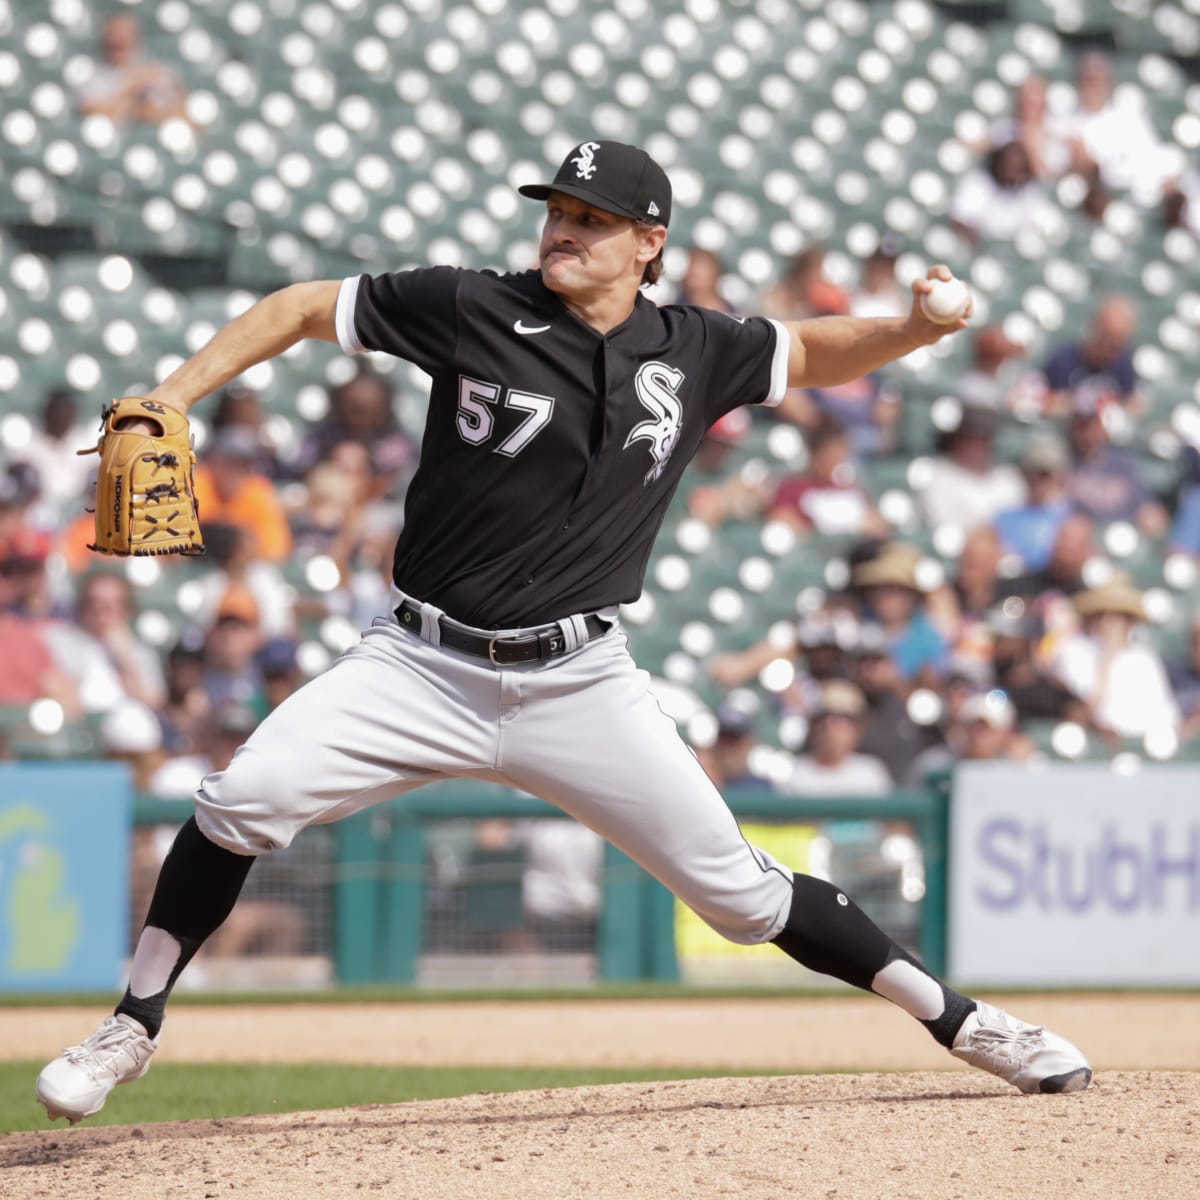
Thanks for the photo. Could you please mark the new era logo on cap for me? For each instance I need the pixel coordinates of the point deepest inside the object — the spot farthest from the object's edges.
(618, 178)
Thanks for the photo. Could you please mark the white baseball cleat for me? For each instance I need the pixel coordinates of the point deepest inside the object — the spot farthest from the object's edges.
(76, 1084)
(1030, 1057)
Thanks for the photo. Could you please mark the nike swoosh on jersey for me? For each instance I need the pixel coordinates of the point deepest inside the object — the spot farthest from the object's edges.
(521, 327)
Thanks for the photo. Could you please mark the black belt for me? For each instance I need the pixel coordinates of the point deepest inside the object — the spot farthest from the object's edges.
(534, 645)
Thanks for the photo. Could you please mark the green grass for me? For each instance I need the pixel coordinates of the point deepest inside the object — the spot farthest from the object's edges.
(182, 1091)
(399, 994)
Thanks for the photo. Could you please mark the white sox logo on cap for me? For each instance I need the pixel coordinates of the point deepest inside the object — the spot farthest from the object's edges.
(585, 160)
(629, 182)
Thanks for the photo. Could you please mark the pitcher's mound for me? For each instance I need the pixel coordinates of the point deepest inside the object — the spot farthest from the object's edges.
(852, 1137)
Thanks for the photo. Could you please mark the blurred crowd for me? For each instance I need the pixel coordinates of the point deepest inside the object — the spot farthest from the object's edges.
(911, 665)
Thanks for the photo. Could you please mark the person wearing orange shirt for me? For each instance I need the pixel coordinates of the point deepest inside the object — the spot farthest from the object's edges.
(230, 490)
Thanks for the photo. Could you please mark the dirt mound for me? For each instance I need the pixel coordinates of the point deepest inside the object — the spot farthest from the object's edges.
(928, 1136)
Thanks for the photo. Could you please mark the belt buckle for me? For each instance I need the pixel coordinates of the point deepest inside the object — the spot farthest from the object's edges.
(492, 652)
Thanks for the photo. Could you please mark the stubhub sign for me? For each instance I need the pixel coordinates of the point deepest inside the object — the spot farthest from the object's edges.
(1075, 875)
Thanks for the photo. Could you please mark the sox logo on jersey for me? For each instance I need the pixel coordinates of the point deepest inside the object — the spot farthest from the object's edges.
(657, 386)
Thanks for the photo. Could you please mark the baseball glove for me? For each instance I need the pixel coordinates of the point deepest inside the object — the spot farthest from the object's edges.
(145, 501)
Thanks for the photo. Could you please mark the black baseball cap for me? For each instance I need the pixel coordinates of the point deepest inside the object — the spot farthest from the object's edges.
(612, 176)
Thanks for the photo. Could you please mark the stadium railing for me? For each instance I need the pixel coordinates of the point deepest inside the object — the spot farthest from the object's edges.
(379, 874)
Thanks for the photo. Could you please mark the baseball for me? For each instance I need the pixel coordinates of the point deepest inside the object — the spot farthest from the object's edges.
(946, 301)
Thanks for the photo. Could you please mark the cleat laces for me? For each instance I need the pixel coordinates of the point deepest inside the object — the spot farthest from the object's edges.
(1006, 1039)
(97, 1055)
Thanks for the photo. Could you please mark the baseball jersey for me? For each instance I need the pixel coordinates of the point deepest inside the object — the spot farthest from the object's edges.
(551, 451)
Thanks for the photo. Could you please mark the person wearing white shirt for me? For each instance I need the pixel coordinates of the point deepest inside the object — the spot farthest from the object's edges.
(1110, 130)
(52, 452)
(1000, 198)
(965, 488)
(831, 764)
(1122, 679)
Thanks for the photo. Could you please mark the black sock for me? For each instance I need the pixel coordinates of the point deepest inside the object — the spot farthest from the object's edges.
(197, 888)
(827, 932)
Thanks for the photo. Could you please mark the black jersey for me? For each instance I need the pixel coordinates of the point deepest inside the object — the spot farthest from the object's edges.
(551, 451)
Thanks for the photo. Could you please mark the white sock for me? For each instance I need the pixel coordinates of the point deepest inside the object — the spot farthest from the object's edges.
(920, 995)
(153, 961)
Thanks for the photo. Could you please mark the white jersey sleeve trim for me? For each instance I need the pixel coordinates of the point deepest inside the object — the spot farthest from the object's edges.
(779, 365)
(343, 317)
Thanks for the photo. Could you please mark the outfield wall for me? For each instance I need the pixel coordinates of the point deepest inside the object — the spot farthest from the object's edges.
(1047, 876)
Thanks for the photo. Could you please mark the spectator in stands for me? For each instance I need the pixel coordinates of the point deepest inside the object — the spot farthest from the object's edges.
(560, 883)
(728, 759)
(1029, 530)
(889, 733)
(187, 709)
(717, 495)
(711, 461)
(127, 87)
(231, 670)
(1185, 529)
(965, 487)
(1121, 679)
(1048, 594)
(105, 611)
(1184, 675)
(701, 282)
(1103, 481)
(804, 291)
(239, 407)
(825, 499)
(1102, 360)
(831, 764)
(16, 495)
(28, 593)
(230, 490)
(994, 202)
(281, 674)
(327, 520)
(1035, 693)
(868, 409)
(361, 410)
(1112, 133)
(818, 648)
(1181, 203)
(1030, 124)
(984, 729)
(879, 293)
(891, 596)
(959, 608)
(996, 372)
(99, 650)
(31, 670)
(51, 453)
(231, 559)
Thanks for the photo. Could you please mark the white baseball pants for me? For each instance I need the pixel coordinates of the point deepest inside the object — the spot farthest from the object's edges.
(581, 731)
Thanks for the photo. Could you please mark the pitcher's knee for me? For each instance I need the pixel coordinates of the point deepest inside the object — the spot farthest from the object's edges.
(752, 915)
(240, 808)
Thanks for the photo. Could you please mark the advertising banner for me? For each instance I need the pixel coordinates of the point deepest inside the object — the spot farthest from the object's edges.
(64, 875)
(1064, 875)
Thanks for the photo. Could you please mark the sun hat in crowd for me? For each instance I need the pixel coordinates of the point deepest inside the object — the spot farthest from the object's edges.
(1118, 595)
